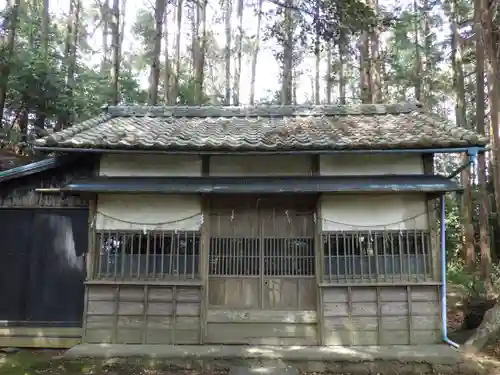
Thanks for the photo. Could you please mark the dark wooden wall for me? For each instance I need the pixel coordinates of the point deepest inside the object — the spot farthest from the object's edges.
(43, 250)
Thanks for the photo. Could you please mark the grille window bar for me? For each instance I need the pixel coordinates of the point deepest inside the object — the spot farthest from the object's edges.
(268, 244)
(152, 255)
(365, 256)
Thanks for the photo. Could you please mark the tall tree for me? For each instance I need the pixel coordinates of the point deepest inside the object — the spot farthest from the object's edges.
(105, 12)
(468, 249)
(116, 48)
(364, 69)
(288, 57)
(228, 13)
(70, 57)
(8, 41)
(177, 55)
(201, 46)
(375, 63)
(255, 54)
(239, 55)
(154, 75)
(317, 53)
(480, 127)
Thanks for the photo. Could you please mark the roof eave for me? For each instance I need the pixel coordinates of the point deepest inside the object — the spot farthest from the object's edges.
(186, 151)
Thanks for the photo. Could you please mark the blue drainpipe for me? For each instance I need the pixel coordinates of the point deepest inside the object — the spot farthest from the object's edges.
(472, 153)
(444, 309)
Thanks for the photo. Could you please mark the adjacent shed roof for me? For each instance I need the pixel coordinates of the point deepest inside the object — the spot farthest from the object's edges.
(264, 128)
(35, 167)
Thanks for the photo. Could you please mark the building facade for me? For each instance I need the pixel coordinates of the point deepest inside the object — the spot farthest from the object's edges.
(264, 225)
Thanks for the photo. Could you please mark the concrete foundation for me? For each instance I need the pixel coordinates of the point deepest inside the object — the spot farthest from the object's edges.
(385, 360)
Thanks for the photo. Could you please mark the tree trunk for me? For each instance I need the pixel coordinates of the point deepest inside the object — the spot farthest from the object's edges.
(72, 27)
(342, 58)
(177, 58)
(201, 17)
(375, 73)
(418, 57)
(8, 47)
(493, 64)
(116, 47)
(167, 81)
(425, 56)
(41, 109)
(45, 32)
(193, 10)
(239, 41)
(255, 55)
(287, 76)
(228, 12)
(364, 66)
(480, 127)
(329, 74)
(154, 75)
(122, 23)
(468, 250)
(317, 54)
(104, 8)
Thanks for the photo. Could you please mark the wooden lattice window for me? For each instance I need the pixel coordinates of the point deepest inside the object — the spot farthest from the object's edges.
(372, 255)
(268, 256)
(147, 255)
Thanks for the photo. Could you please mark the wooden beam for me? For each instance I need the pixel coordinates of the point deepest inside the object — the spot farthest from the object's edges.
(40, 337)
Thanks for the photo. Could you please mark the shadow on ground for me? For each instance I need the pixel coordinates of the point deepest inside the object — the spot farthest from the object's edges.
(51, 363)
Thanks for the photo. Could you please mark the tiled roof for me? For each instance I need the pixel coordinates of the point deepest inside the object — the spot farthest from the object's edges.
(265, 128)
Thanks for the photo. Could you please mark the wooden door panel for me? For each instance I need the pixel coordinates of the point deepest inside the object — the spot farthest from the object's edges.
(234, 293)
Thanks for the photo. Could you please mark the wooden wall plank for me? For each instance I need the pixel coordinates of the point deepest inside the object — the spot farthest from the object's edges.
(260, 316)
(351, 338)
(132, 314)
(351, 311)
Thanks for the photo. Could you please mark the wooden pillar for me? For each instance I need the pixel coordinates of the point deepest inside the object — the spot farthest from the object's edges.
(204, 250)
(428, 164)
(92, 252)
(318, 254)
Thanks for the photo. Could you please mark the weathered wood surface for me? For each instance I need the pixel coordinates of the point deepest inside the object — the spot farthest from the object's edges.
(262, 316)
(381, 315)
(265, 327)
(126, 314)
(22, 192)
(293, 293)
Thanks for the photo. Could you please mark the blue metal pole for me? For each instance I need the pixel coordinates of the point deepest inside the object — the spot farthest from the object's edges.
(444, 309)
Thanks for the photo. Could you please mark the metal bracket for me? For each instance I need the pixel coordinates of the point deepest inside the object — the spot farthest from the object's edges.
(472, 154)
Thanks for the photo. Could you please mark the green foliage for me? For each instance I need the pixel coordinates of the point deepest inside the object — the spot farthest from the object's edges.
(38, 84)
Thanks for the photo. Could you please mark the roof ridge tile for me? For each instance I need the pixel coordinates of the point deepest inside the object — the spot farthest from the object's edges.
(261, 111)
